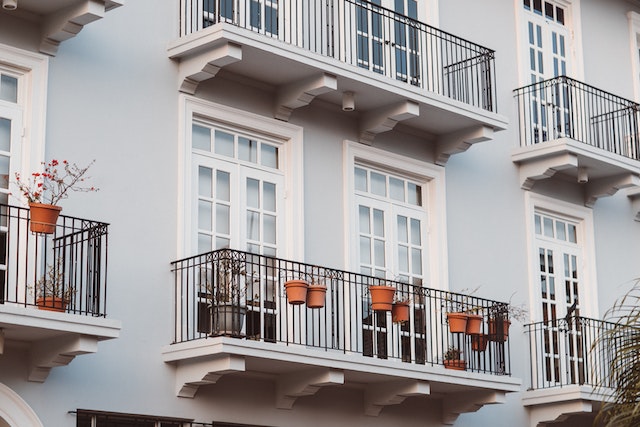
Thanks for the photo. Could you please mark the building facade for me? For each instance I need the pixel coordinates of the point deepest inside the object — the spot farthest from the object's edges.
(476, 157)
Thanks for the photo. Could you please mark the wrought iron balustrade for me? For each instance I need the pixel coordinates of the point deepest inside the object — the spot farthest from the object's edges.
(364, 35)
(74, 256)
(570, 351)
(242, 295)
(565, 108)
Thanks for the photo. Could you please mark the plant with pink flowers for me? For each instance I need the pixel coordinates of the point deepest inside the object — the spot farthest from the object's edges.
(54, 182)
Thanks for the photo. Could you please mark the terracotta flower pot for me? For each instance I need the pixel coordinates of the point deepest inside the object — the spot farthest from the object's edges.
(457, 322)
(458, 365)
(296, 291)
(51, 303)
(474, 323)
(316, 296)
(400, 312)
(381, 297)
(499, 330)
(43, 217)
(479, 342)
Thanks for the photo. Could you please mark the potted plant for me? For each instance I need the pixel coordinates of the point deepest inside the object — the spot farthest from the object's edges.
(400, 311)
(316, 293)
(452, 359)
(52, 293)
(381, 297)
(44, 190)
(225, 288)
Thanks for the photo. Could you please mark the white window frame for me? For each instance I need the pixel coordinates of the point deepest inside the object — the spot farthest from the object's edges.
(432, 179)
(290, 152)
(583, 217)
(574, 44)
(32, 70)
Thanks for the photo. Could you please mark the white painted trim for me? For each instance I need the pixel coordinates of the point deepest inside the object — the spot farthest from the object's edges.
(634, 45)
(585, 232)
(33, 71)
(433, 179)
(291, 137)
(15, 411)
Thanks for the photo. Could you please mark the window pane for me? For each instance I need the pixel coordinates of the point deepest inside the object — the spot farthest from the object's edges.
(205, 188)
(378, 223)
(5, 134)
(414, 196)
(270, 229)
(204, 215)
(247, 149)
(9, 88)
(223, 219)
(253, 225)
(269, 196)
(403, 232)
(361, 179)
(223, 186)
(269, 155)
(224, 143)
(201, 138)
(378, 184)
(396, 189)
(416, 237)
(365, 250)
(416, 261)
(365, 226)
(253, 193)
(204, 243)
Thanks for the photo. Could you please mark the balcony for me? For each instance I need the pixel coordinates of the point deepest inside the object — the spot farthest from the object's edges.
(570, 375)
(73, 258)
(401, 71)
(55, 21)
(234, 318)
(573, 132)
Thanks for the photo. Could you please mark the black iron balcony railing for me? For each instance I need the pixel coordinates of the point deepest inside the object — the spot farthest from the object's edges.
(70, 263)
(565, 108)
(570, 351)
(242, 295)
(364, 35)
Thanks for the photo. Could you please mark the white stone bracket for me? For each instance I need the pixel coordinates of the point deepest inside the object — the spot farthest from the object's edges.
(634, 196)
(205, 66)
(536, 170)
(461, 403)
(292, 386)
(68, 22)
(192, 374)
(608, 187)
(301, 93)
(385, 119)
(53, 352)
(377, 396)
(459, 142)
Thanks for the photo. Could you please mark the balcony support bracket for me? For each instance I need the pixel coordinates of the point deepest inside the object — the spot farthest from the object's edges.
(385, 119)
(608, 187)
(468, 402)
(191, 374)
(534, 171)
(55, 352)
(68, 22)
(205, 66)
(298, 384)
(380, 395)
(459, 142)
(634, 196)
(301, 93)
